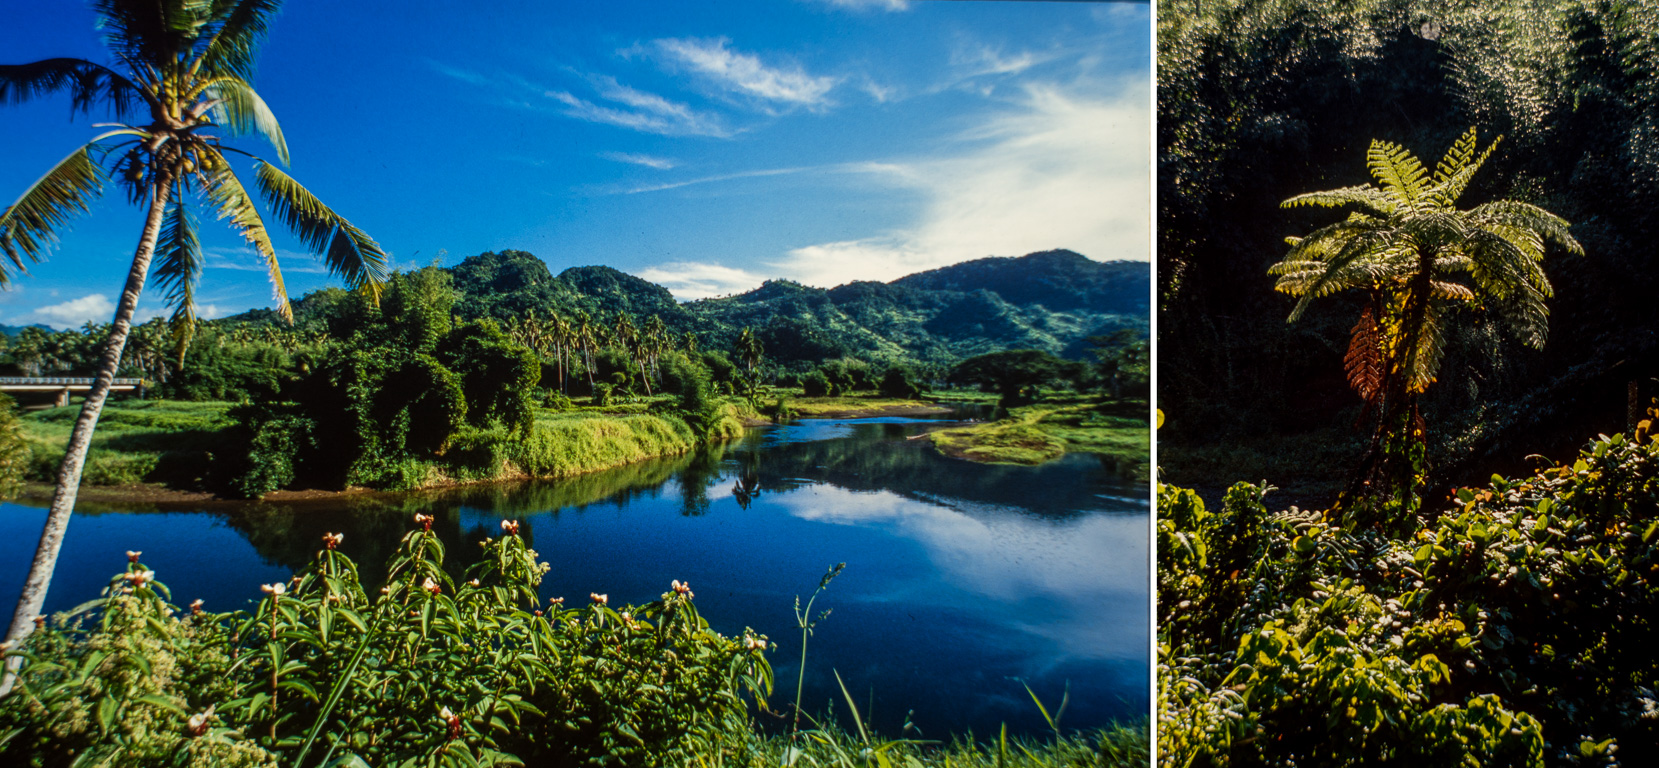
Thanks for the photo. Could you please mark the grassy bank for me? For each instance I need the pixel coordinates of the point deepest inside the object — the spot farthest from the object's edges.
(173, 444)
(1046, 431)
(137, 441)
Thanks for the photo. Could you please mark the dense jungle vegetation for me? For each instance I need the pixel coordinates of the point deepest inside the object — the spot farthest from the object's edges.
(1471, 315)
(1261, 101)
(495, 369)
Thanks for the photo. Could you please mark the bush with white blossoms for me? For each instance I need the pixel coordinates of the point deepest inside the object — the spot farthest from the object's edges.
(424, 671)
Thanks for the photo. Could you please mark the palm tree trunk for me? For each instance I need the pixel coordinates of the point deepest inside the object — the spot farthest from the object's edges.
(74, 458)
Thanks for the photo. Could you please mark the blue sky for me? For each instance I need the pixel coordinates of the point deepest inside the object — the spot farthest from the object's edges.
(703, 144)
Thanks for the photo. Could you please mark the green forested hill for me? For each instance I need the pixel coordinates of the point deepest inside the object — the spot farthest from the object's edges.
(1051, 301)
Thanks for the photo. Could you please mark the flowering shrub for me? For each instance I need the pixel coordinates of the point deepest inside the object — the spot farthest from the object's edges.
(423, 671)
(1513, 628)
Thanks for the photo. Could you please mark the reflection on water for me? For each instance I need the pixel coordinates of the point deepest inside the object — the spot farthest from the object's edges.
(961, 579)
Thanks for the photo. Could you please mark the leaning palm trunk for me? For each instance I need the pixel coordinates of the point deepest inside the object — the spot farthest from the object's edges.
(80, 439)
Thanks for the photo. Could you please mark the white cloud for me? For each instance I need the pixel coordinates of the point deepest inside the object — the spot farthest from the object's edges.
(96, 308)
(646, 112)
(865, 5)
(638, 110)
(694, 280)
(984, 60)
(635, 158)
(1084, 563)
(244, 259)
(1064, 171)
(745, 74)
(720, 177)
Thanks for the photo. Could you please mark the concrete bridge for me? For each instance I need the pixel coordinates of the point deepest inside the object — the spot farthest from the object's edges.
(62, 385)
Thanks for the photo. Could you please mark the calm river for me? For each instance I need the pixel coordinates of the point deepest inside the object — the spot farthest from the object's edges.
(962, 580)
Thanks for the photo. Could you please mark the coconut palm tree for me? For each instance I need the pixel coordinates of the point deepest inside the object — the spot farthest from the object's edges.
(1418, 258)
(177, 86)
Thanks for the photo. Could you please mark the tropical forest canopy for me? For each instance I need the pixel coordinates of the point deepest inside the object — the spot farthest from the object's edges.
(1053, 301)
(1260, 102)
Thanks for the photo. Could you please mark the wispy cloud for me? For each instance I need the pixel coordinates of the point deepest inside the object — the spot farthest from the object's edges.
(464, 75)
(746, 75)
(659, 163)
(622, 106)
(1063, 171)
(866, 5)
(639, 120)
(245, 260)
(720, 177)
(693, 280)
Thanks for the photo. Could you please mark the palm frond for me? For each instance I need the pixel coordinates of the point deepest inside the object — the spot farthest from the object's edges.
(89, 85)
(347, 250)
(234, 204)
(178, 271)
(144, 35)
(242, 112)
(243, 24)
(30, 226)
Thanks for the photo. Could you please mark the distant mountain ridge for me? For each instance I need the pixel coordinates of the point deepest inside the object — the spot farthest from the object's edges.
(1051, 300)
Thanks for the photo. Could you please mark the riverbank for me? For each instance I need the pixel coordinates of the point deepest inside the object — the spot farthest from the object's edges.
(163, 452)
(1045, 431)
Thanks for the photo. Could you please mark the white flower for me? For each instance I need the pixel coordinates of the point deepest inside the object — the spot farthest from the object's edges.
(597, 598)
(431, 586)
(510, 527)
(198, 722)
(139, 577)
(278, 588)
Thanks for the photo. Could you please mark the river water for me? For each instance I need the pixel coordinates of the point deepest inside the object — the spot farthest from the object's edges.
(962, 580)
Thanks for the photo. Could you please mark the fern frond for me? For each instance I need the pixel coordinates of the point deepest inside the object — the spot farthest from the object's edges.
(1364, 362)
(1445, 193)
(1398, 171)
(1363, 195)
(1457, 156)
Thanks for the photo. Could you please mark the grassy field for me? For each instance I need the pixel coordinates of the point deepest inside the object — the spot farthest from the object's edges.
(1046, 431)
(137, 441)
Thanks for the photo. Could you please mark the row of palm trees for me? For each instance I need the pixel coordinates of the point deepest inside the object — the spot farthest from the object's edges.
(572, 342)
(152, 351)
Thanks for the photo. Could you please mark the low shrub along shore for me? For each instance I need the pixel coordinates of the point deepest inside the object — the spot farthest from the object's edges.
(434, 671)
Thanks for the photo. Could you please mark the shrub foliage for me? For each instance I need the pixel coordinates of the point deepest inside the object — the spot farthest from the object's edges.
(423, 671)
(1513, 628)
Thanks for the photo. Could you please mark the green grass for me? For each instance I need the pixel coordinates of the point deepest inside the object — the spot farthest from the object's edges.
(136, 441)
(568, 443)
(1119, 746)
(1046, 431)
(817, 407)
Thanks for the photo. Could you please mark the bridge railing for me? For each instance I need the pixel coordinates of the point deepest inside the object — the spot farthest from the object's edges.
(62, 381)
